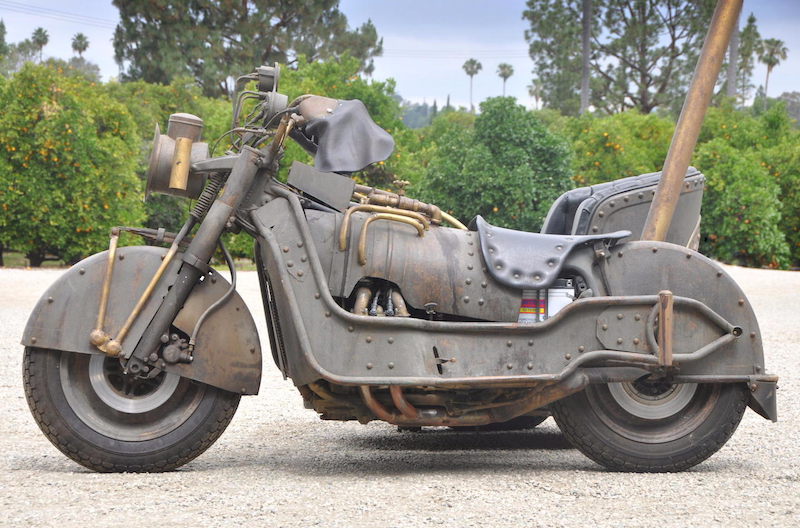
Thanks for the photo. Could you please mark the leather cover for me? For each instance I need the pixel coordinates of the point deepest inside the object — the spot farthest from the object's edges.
(529, 261)
(346, 139)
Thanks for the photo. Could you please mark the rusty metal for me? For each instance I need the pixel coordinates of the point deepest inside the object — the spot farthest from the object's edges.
(666, 328)
(402, 404)
(390, 199)
(687, 130)
(98, 337)
(362, 239)
(374, 209)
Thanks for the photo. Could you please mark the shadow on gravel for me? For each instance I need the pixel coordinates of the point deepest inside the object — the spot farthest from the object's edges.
(460, 440)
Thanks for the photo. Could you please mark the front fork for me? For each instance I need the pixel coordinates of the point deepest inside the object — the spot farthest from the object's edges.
(200, 251)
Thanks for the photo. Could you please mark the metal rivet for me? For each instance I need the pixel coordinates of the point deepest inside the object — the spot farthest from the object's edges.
(753, 387)
(369, 366)
(516, 275)
(567, 356)
(620, 316)
(627, 199)
(635, 340)
(530, 366)
(510, 366)
(466, 299)
(601, 214)
(299, 243)
(49, 299)
(758, 368)
(619, 254)
(481, 302)
(327, 314)
(655, 250)
(688, 255)
(719, 274)
(299, 273)
(619, 340)
(581, 348)
(82, 271)
(470, 267)
(316, 295)
(509, 343)
(741, 302)
(285, 249)
(595, 229)
(484, 284)
(252, 350)
(243, 389)
(536, 278)
(490, 251)
(122, 257)
(303, 258)
(391, 365)
(369, 339)
(33, 340)
(753, 335)
(612, 203)
(290, 263)
(641, 196)
(162, 257)
(488, 234)
(350, 329)
(390, 340)
(637, 317)
(470, 242)
(468, 281)
(470, 253)
(605, 327)
(530, 342)
(559, 248)
(498, 267)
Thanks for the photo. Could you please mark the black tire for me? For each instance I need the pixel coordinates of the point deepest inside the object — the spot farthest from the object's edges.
(624, 435)
(168, 421)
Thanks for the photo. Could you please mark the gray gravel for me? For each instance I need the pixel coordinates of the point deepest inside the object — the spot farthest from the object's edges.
(279, 465)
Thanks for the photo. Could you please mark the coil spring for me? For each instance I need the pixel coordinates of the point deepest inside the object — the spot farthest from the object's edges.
(208, 195)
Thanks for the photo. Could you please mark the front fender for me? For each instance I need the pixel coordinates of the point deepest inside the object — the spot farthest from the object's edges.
(228, 351)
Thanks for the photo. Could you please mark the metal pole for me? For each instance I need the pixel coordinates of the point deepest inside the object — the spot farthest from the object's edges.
(694, 109)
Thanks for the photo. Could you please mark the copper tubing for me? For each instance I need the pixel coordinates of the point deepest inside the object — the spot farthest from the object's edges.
(694, 109)
(375, 209)
(402, 404)
(362, 239)
(453, 221)
(375, 406)
(400, 308)
(363, 296)
(98, 337)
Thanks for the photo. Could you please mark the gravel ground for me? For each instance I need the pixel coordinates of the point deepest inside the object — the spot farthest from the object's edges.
(279, 465)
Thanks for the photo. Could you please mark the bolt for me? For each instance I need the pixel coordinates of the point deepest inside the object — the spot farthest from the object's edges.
(153, 357)
(753, 387)
(174, 337)
(165, 339)
(213, 280)
(758, 368)
(753, 335)
(391, 365)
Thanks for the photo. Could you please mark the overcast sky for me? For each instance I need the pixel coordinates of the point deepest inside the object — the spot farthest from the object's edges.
(425, 42)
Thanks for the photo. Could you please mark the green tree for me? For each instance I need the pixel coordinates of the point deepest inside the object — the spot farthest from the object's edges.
(67, 165)
(472, 67)
(535, 92)
(4, 48)
(749, 41)
(643, 53)
(508, 168)
(505, 71)
(216, 40)
(40, 39)
(772, 52)
(80, 44)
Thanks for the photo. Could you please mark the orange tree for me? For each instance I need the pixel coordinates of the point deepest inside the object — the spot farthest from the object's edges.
(67, 165)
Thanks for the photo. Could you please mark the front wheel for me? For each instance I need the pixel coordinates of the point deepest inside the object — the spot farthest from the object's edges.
(651, 425)
(110, 421)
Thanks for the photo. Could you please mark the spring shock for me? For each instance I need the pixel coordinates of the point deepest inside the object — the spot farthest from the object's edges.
(203, 204)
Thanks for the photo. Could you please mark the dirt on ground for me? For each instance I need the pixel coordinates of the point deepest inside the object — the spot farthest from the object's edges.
(278, 464)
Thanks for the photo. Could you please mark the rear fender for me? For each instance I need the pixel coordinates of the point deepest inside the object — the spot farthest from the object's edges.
(227, 354)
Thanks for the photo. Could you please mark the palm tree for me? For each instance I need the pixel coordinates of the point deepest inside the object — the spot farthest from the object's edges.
(79, 44)
(472, 67)
(40, 39)
(773, 51)
(535, 92)
(505, 71)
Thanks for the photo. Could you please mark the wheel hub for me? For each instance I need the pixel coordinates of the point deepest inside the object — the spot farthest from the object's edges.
(128, 394)
(652, 399)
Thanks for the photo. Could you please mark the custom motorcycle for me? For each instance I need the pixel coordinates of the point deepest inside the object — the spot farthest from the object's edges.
(381, 307)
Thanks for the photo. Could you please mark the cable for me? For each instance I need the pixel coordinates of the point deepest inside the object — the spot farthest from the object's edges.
(57, 15)
(220, 301)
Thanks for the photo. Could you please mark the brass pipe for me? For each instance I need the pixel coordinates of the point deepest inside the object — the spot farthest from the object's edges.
(400, 308)
(453, 221)
(665, 328)
(363, 295)
(181, 161)
(694, 109)
(114, 347)
(402, 404)
(374, 209)
(362, 239)
(98, 337)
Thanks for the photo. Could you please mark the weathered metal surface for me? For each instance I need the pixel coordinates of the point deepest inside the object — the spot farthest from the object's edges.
(684, 139)
(66, 314)
(666, 327)
(400, 351)
(328, 188)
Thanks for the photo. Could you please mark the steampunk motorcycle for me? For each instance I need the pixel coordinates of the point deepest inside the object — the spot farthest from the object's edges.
(646, 352)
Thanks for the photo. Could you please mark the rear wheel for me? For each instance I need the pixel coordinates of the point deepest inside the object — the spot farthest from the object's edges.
(111, 421)
(651, 425)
